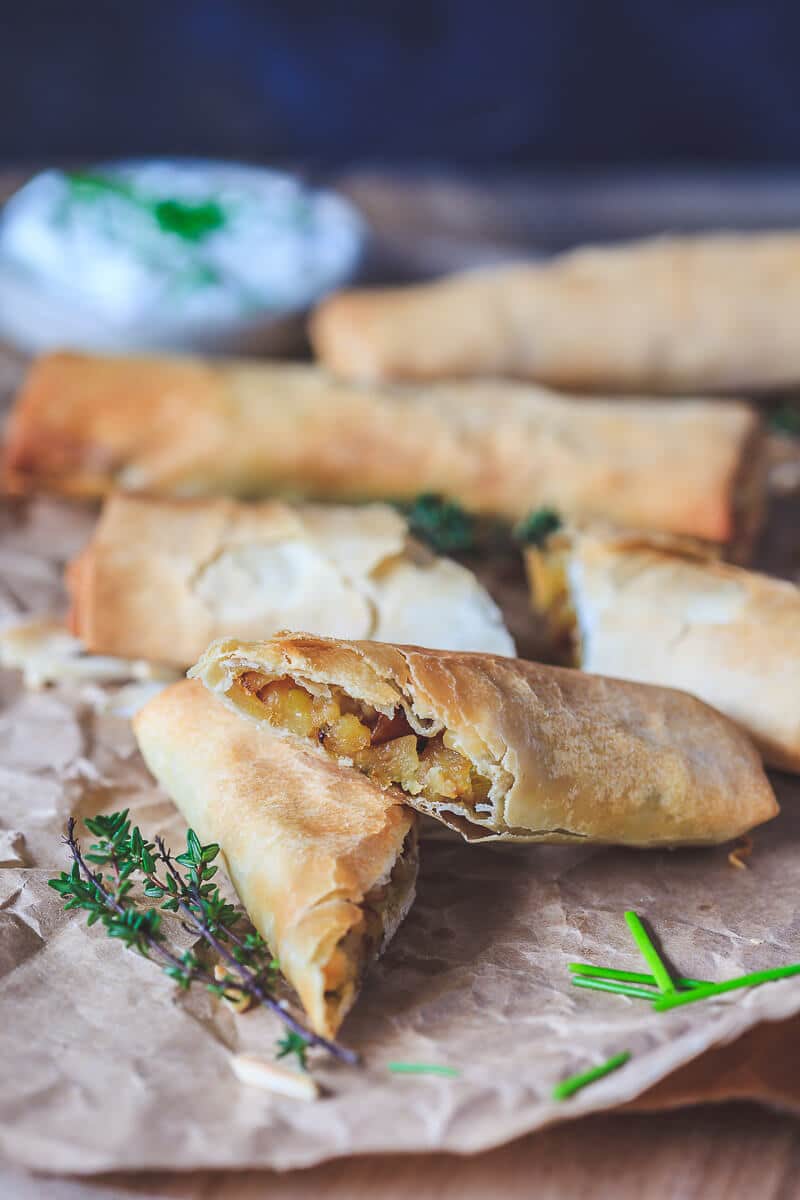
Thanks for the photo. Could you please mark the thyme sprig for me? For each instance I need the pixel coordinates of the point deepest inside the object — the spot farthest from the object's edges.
(785, 419)
(443, 524)
(124, 857)
(535, 529)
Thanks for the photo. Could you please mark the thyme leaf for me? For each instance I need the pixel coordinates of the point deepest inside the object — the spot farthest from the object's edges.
(535, 529)
(442, 523)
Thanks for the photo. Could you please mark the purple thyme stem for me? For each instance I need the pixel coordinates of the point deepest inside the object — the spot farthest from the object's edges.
(249, 979)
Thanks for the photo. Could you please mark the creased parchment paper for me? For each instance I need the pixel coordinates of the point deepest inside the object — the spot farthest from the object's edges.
(105, 1066)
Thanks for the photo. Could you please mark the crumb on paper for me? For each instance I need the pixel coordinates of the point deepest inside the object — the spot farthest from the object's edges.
(47, 653)
(12, 848)
(742, 850)
(261, 1073)
(236, 999)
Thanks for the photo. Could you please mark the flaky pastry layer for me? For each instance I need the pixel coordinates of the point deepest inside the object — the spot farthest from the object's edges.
(669, 314)
(84, 425)
(162, 578)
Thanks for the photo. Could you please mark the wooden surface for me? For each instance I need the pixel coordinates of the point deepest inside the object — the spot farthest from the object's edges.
(731, 1151)
(720, 1154)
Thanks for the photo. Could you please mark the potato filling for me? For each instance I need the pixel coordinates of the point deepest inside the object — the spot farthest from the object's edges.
(340, 973)
(384, 748)
(547, 574)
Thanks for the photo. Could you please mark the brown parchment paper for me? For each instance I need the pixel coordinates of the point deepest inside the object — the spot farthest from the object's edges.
(105, 1066)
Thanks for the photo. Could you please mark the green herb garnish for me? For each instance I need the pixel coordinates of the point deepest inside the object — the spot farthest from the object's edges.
(628, 976)
(293, 1044)
(635, 991)
(401, 1068)
(123, 857)
(649, 953)
(442, 523)
(535, 529)
(191, 221)
(707, 990)
(786, 419)
(629, 983)
(568, 1087)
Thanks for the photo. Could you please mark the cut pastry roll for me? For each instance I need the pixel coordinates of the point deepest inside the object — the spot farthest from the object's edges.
(323, 860)
(160, 579)
(665, 612)
(501, 748)
(84, 425)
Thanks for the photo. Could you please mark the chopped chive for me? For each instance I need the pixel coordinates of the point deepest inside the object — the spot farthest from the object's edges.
(568, 1087)
(649, 953)
(708, 990)
(400, 1068)
(612, 985)
(628, 976)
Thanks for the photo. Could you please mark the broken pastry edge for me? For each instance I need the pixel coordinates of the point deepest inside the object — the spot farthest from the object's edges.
(221, 675)
(618, 811)
(350, 944)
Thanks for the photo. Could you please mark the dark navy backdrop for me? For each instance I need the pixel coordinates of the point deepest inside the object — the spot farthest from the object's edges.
(470, 81)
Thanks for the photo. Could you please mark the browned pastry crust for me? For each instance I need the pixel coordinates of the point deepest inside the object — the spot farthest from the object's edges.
(161, 578)
(323, 860)
(669, 315)
(553, 755)
(657, 611)
(83, 425)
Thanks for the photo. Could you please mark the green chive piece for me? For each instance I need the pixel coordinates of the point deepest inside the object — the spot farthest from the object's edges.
(628, 976)
(613, 985)
(400, 1068)
(568, 1087)
(728, 985)
(649, 953)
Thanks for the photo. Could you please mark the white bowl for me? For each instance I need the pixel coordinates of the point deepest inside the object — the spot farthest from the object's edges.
(50, 298)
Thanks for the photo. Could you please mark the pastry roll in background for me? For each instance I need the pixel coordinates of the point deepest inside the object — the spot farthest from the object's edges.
(84, 425)
(669, 314)
(503, 749)
(663, 612)
(160, 579)
(324, 861)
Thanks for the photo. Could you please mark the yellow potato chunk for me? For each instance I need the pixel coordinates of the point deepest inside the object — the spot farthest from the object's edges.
(393, 762)
(347, 736)
(288, 707)
(445, 772)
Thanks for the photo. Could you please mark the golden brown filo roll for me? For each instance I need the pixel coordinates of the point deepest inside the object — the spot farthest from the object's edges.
(324, 861)
(503, 749)
(162, 578)
(663, 612)
(84, 425)
(669, 314)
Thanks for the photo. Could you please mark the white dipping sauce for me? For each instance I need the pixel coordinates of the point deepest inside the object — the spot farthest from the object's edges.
(167, 253)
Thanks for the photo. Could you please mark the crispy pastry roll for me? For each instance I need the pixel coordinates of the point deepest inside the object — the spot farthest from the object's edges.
(504, 749)
(662, 612)
(670, 314)
(324, 861)
(160, 579)
(83, 425)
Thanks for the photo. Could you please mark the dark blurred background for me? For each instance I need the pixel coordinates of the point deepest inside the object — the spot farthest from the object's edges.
(464, 82)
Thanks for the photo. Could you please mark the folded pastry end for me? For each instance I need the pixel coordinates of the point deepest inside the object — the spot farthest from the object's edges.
(323, 860)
